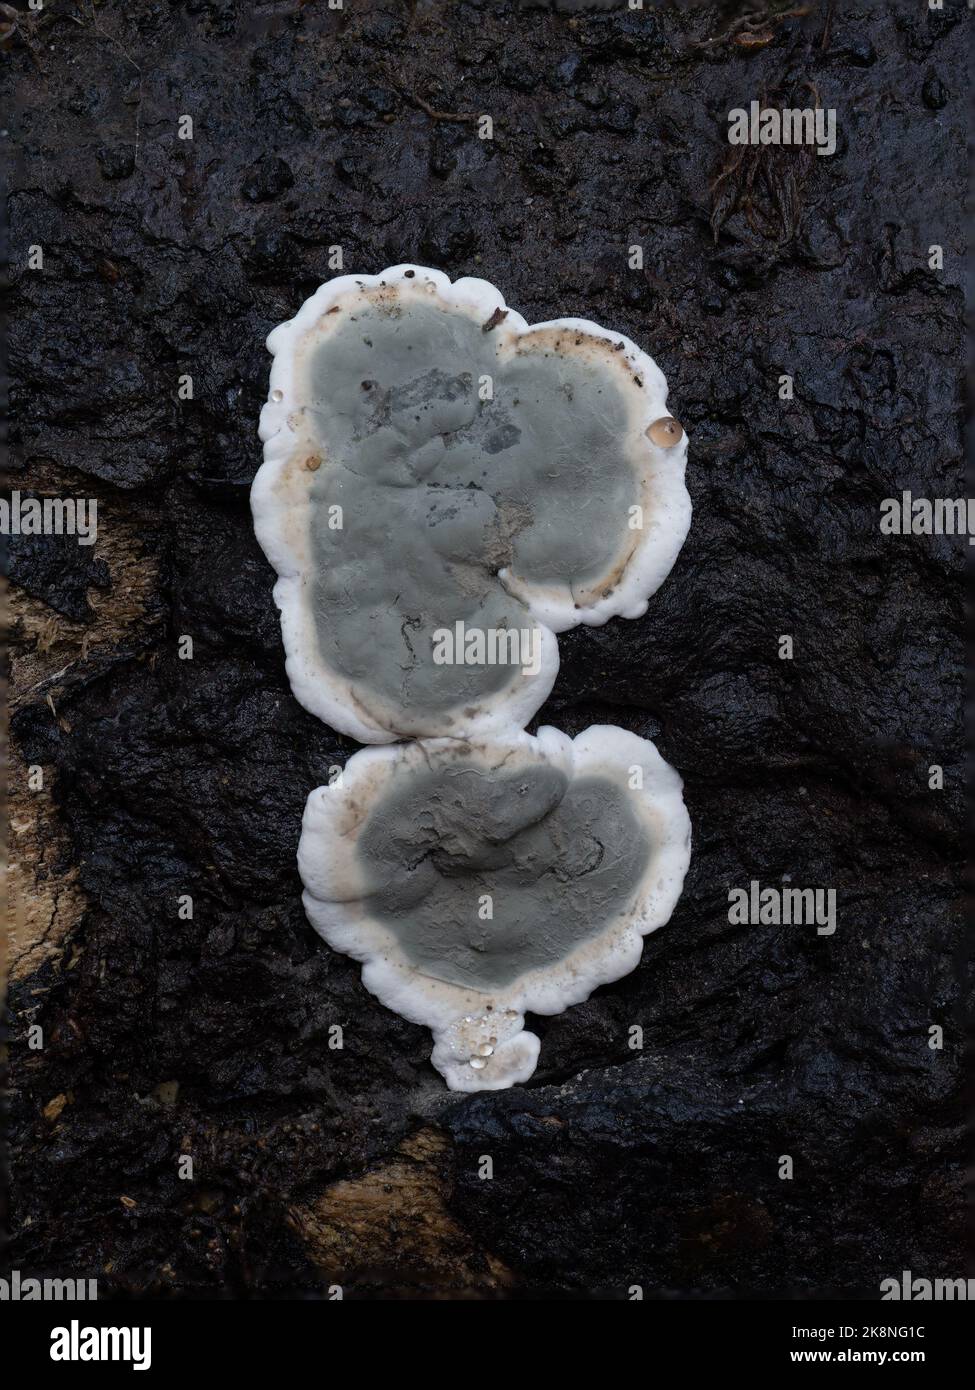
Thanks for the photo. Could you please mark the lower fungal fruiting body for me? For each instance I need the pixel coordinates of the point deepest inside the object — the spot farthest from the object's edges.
(479, 880)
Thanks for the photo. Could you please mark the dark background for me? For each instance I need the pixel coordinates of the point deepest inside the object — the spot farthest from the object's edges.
(165, 257)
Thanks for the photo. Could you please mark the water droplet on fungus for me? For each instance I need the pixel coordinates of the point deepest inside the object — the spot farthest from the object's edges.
(666, 432)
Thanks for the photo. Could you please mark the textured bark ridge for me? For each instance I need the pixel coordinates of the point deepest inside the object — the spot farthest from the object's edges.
(215, 1036)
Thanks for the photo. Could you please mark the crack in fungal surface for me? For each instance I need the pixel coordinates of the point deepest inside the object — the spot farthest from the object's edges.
(479, 879)
(435, 465)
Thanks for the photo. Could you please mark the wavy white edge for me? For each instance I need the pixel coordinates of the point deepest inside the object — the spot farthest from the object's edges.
(281, 529)
(462, 1020)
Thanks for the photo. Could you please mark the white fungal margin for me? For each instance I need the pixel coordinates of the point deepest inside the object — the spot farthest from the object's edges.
(480, 1042)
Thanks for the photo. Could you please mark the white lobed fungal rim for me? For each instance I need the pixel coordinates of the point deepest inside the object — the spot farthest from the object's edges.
(480, 1042)
(281, 505)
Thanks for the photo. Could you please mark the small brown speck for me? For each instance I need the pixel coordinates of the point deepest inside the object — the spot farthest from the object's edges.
(497, 317)
(759, 40)
(54, 1107)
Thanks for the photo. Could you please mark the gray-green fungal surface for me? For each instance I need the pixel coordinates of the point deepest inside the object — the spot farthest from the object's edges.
(445, 488)
(477, 880)
(558, 858)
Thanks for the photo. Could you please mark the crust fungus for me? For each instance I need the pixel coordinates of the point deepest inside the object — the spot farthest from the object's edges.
(477, 880)
(444, 489)
(434, 466)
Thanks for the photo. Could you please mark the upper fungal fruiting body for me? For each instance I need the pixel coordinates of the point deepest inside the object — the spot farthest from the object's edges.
(477, 880)
(434, 466)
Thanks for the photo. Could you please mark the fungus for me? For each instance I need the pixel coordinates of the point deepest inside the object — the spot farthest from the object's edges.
(433, 464)
(477, 880)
